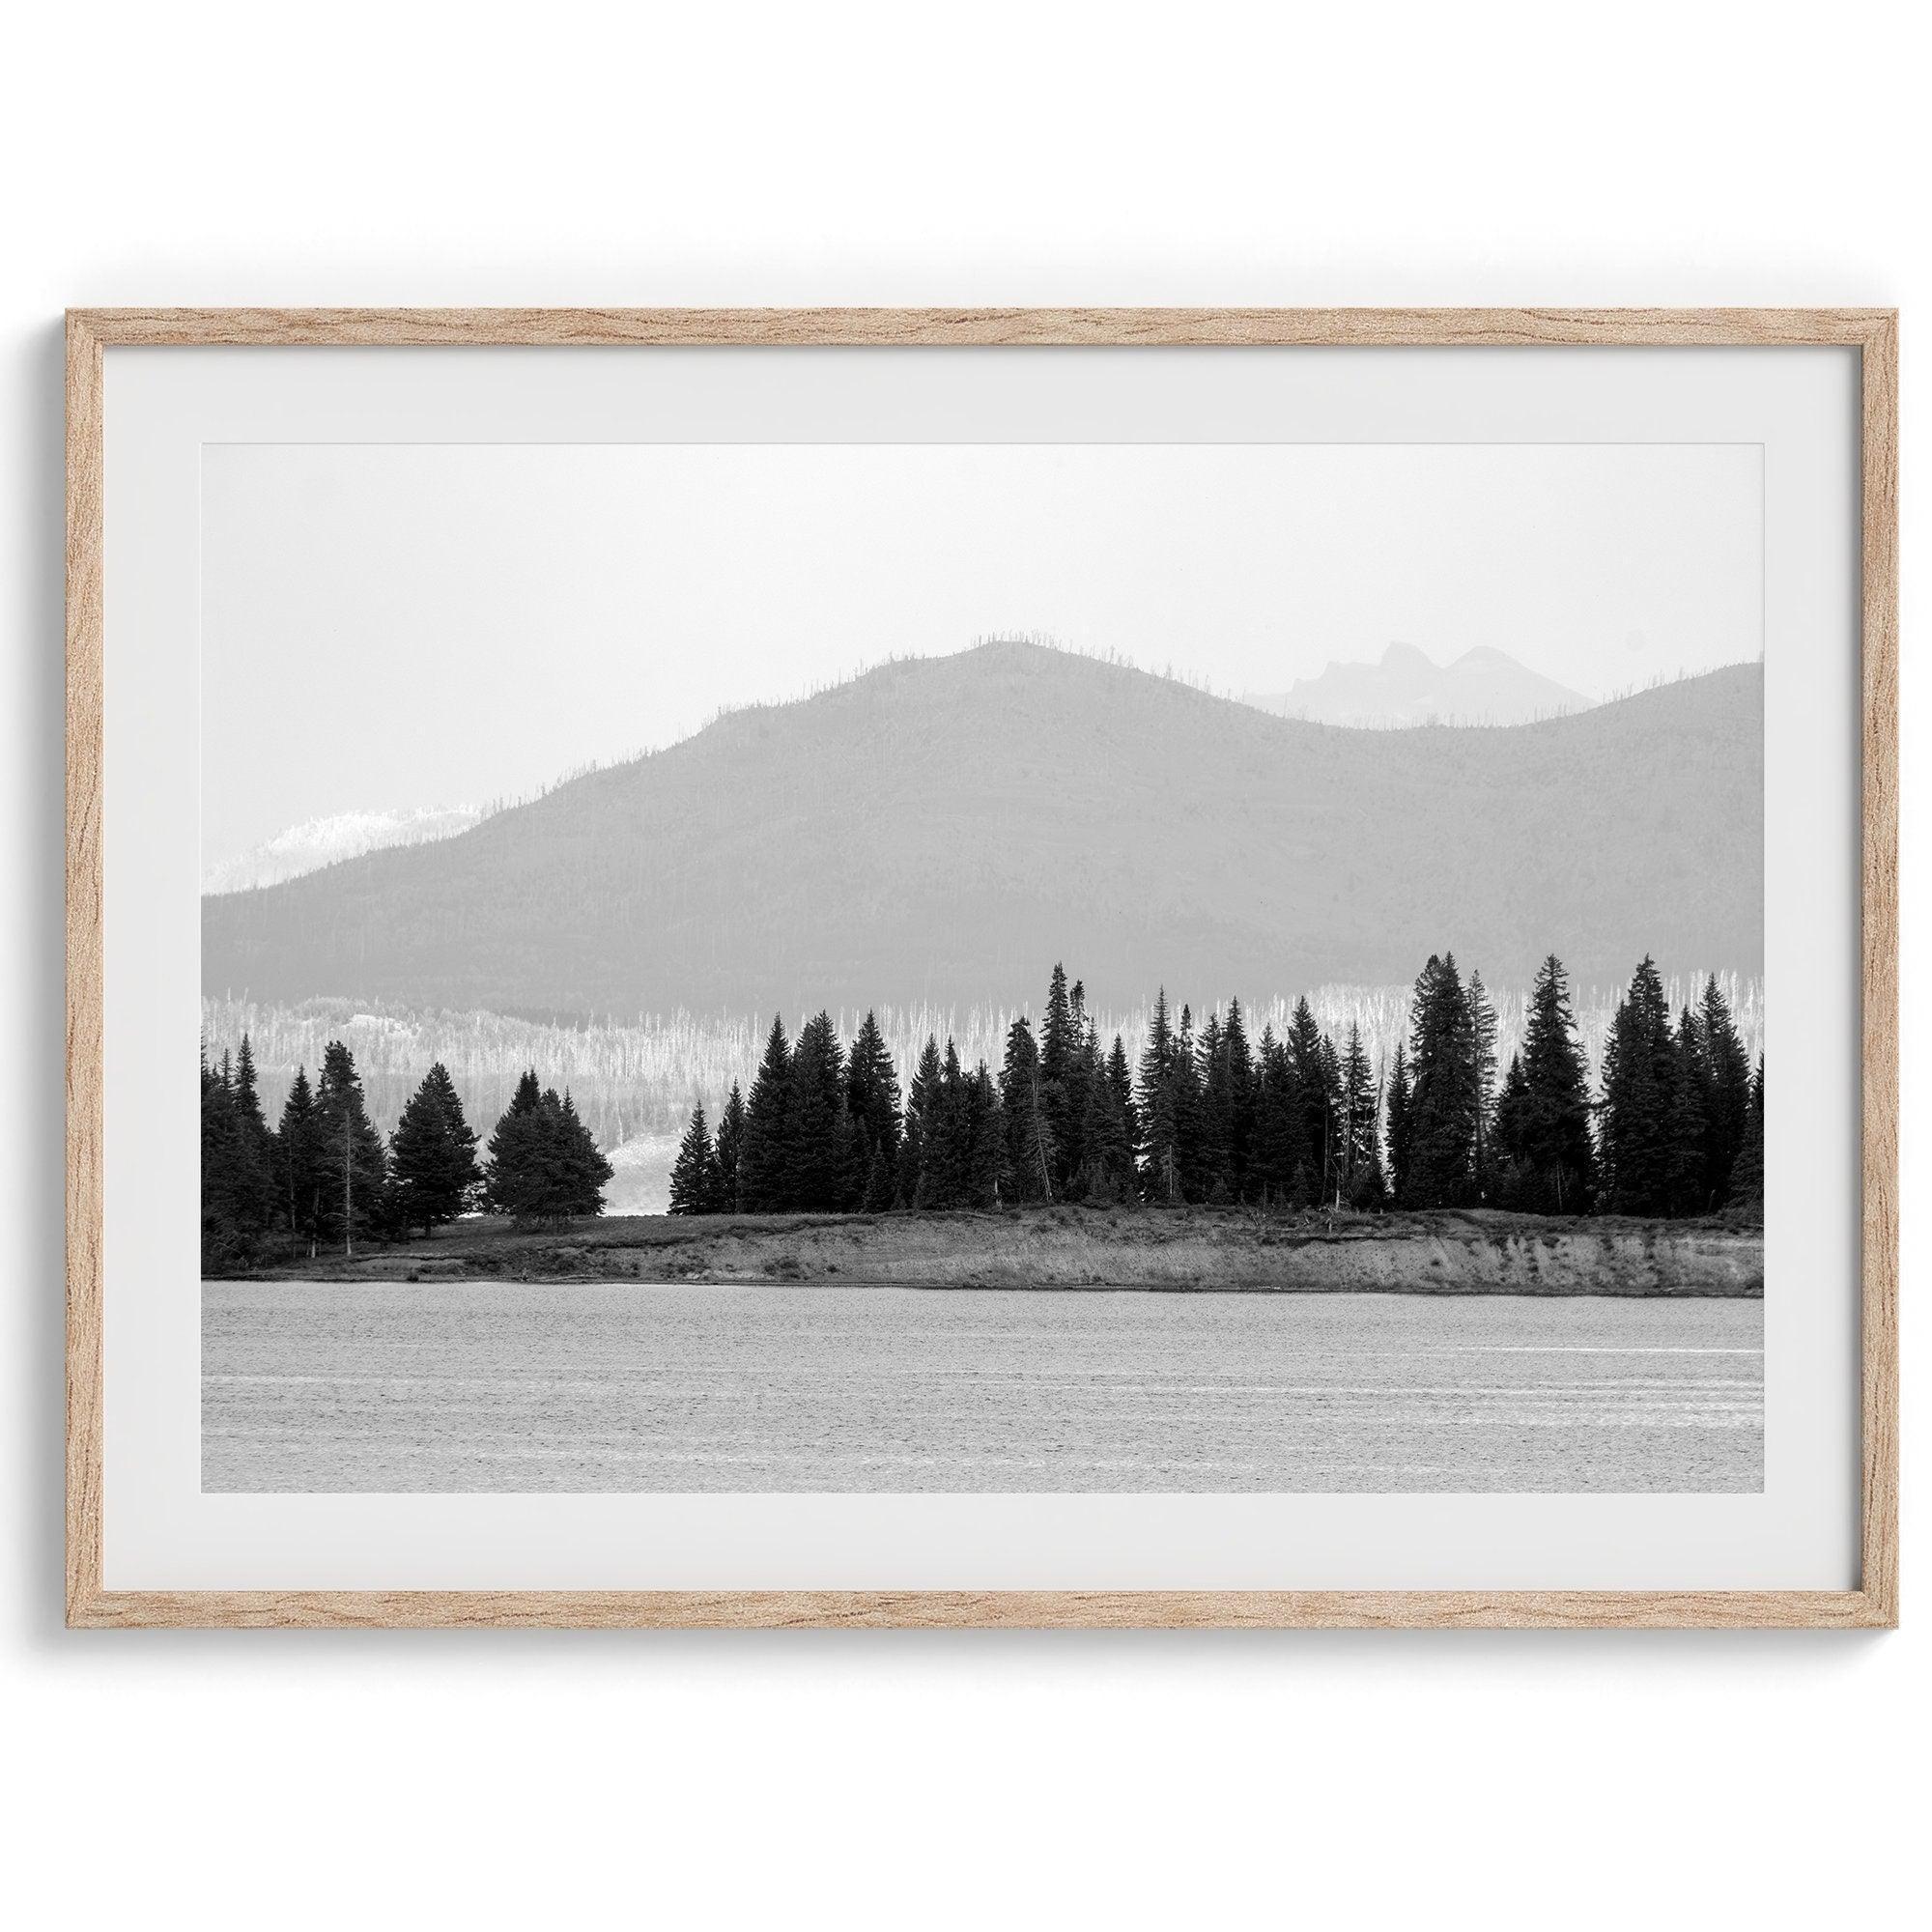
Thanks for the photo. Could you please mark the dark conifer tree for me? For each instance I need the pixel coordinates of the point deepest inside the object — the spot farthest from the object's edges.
(1083, 1069)
(1240, 1086)
(1359, 1139)
(433, 1167)
(1278, 1124)
(986, 1139)
(950, 1149)
(1443, 1098)
(1217, 1116)
(1159, 1129)
(925, 1127)
(1028, 1172)
(299, 1169)
(221, 1242)
(1641, 1108)
(1510, 1173)
(1059, 1043)
(255, 1151)
(1312, 1148)
(912, 1158)
(1120, 1085)
(696, 1186)
(1746, 1191)
(1727, 1096)
(1689, 1117)
(872, 1101)
(818, 1173)
(1397, 1125)
(351, 1152)
(764, 1161)
(1548, 1136)
(545, 1168)
(1185, 1081)
(728, 1150)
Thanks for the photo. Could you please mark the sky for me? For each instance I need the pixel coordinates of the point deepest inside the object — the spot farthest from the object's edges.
(394, 626)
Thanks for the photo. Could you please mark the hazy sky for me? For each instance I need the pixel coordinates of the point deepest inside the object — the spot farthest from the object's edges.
(400, 625)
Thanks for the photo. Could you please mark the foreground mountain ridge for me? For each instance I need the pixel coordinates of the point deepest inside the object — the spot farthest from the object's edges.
(944, 828)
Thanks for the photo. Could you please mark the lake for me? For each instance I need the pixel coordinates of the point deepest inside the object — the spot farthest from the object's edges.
(394, 1387)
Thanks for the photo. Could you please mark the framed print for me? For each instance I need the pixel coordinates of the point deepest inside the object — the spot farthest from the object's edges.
(1022, 967)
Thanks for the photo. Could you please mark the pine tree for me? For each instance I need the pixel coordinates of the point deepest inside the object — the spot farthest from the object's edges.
(948, 1148)
(1108, 1131)
(1059, 1042)
(764, 1163)
(1184, 1081)
(1360, 1177)
(1689, 1117)
(301, 1171)
(545, 1169)
(984, 1140)
(1278, 1136)
(587, 1171)
(818, 1172)
(926, 1129)
(1312, 1143)
(1028, 1171)
(697, 1187)
(1397, 1125)
(255, 1151)
(1443, 1104)
(1217, 1116)
(728, 1150)
(872, 1101)
(1641, 1105)
(1240, 1079)
(1727, 1096)
(432, 1156)
(221, 1245)
(1158, 1144)
(1544, 1135)
(351, 1152)
(1746, 1192)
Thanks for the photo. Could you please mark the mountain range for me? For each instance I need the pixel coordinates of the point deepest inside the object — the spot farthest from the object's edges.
(1483, 686)
(944, 828)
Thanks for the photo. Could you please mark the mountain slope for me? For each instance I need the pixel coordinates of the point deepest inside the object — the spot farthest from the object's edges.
(945, 829)
(1483, 686)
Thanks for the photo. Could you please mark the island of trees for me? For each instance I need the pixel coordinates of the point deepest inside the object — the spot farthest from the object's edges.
(1207, 1117)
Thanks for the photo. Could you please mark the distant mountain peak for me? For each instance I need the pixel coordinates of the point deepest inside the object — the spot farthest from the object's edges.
(327, 841)
(1483, 686)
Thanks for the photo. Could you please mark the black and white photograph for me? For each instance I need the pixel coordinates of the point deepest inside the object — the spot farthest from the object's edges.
(983, 967)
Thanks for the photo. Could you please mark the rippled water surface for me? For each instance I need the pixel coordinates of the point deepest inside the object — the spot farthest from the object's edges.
(393, 1386)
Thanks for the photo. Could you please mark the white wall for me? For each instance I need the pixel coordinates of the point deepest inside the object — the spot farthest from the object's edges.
(994, 154)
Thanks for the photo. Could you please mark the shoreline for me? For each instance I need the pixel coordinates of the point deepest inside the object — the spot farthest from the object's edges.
(1195, 1250)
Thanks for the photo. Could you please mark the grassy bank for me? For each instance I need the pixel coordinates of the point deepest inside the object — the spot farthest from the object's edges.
(1477, 1252)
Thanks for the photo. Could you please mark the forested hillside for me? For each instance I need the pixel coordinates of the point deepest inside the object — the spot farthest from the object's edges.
(933, 829)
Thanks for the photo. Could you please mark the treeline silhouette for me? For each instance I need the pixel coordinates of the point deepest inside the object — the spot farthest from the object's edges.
(1292, 1121)
(323, 1177)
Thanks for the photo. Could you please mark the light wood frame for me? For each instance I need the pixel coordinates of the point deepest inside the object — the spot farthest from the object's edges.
(1873, 332)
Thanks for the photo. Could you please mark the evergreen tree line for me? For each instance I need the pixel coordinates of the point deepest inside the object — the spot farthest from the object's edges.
(1210, 1116)
(323, 1177)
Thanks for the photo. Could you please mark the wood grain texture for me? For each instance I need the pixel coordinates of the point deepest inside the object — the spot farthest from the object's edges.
(1874, 333)
(85, 563)
(928, 328)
